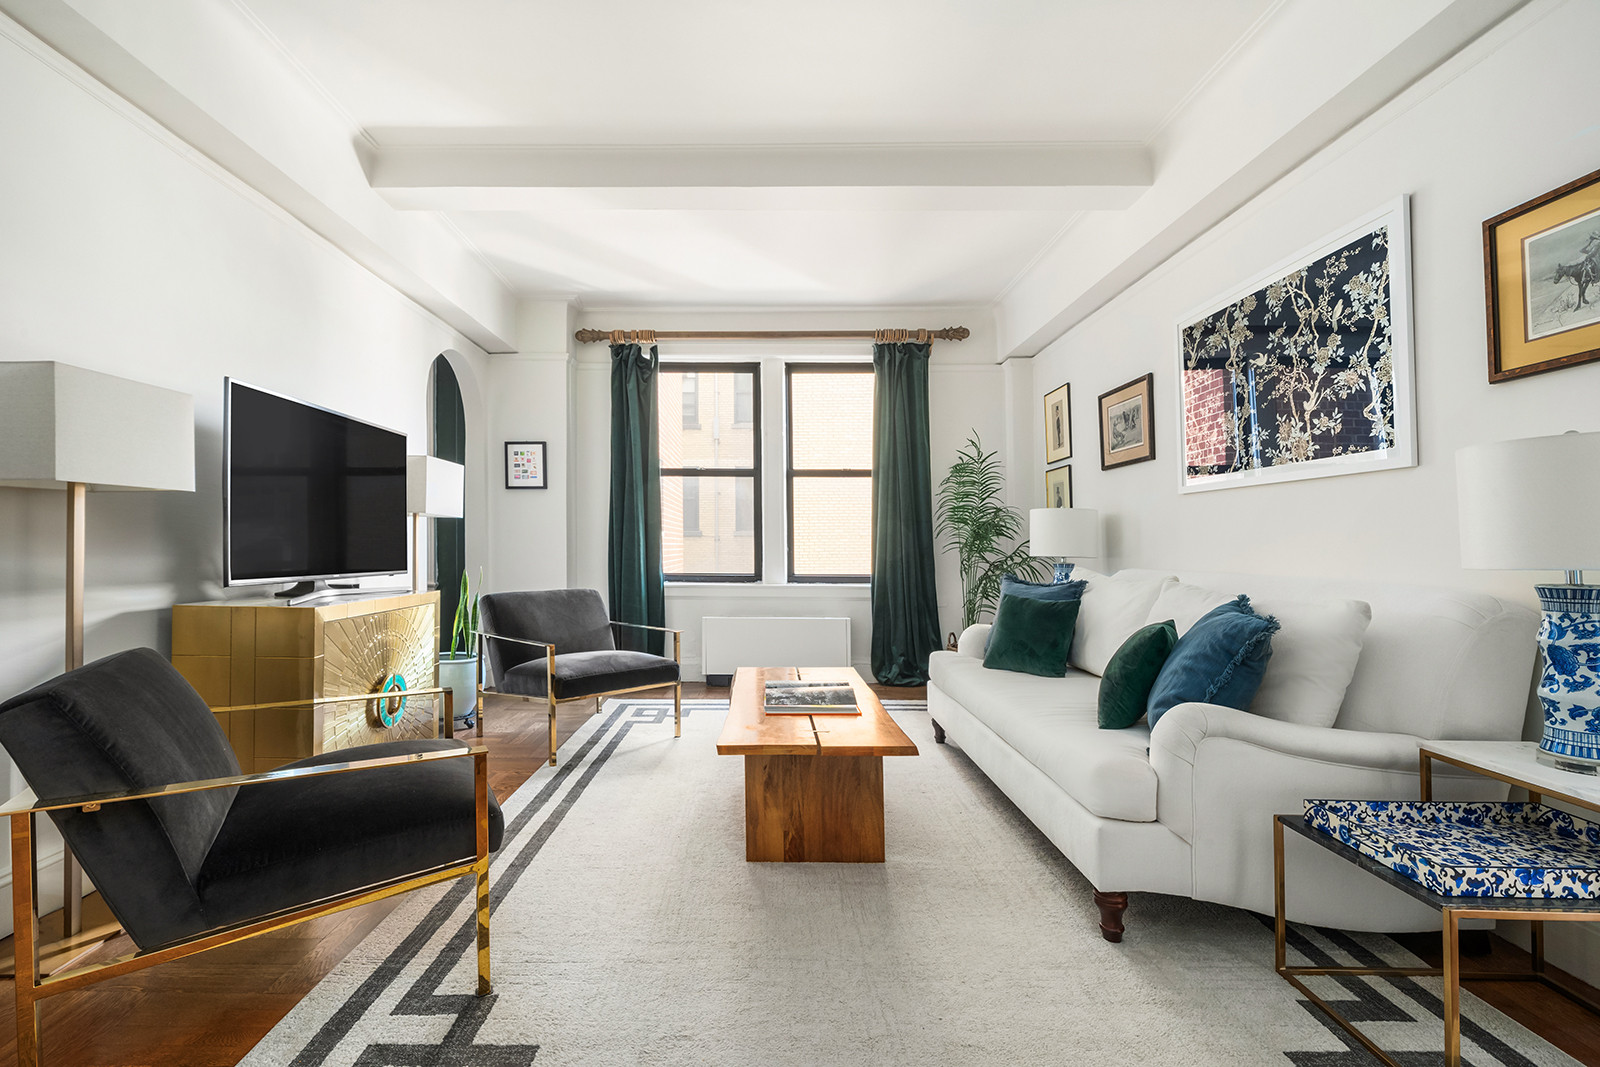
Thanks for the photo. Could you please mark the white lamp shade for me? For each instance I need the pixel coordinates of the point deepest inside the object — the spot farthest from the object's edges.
(62, 424)
(1531, 504)
(435, 487)
(1064, 533)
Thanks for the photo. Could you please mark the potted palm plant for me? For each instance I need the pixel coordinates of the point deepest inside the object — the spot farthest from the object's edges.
(458, 668)
(983, 531)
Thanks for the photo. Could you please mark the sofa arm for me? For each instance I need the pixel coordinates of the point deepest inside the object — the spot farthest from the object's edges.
(1180, 732)
(1222, 774)
(973, 639)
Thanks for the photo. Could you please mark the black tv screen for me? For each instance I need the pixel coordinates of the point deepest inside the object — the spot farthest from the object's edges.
(309, 493)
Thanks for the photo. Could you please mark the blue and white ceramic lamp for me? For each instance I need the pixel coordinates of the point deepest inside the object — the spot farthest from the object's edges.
(1534, 505)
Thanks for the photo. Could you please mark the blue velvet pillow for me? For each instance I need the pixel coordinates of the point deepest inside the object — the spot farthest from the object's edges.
(1219, 661)
(1011, 585)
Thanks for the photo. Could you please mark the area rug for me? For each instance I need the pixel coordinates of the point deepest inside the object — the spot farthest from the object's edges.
(628, 929)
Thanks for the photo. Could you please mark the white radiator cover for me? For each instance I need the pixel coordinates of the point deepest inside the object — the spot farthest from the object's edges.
(728, 642)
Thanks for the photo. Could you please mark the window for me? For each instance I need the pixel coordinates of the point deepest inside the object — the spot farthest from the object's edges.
(830, 472)
(691, 400)
(710, 471)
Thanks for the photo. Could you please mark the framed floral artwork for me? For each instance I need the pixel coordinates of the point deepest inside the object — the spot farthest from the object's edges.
(1541, 276)
(1304, 371)
(1058, 425)
(1127, 429)
(1058, 487)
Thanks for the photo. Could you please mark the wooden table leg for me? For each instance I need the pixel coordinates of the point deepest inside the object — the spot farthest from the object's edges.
(813, 809)
(1452, 989)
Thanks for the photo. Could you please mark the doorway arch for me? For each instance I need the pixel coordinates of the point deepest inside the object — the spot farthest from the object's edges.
(449, 441)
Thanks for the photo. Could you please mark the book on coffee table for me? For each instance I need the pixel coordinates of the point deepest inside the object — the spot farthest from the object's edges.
(811, 698)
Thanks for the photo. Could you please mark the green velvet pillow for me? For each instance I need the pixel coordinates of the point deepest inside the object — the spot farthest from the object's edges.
(1032, 636)
(1131, 674)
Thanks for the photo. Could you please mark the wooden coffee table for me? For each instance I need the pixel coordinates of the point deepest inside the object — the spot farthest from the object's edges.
(813, 784)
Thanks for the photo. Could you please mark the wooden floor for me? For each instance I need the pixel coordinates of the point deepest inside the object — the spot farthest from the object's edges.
(210, 1010)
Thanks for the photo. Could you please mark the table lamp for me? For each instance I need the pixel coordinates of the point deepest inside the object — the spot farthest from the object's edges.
(1532, 505)
(66, 428)
(1064, 533)
(435, 488)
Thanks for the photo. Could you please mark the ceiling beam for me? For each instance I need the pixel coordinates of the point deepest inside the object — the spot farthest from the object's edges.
(508, 177)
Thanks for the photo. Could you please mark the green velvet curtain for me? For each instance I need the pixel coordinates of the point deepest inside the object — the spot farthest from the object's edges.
(905, 612)
(635, 585)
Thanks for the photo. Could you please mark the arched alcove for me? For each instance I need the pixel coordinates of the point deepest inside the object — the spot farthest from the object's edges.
(448, 441)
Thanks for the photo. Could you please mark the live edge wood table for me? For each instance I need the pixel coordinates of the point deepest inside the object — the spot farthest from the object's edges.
(813, 784)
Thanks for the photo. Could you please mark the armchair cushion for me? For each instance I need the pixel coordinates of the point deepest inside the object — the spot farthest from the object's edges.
(583, 674)
(574, 620)
(128, 722)
(284, 844)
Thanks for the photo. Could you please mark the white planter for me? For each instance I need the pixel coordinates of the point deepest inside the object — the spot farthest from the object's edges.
(460, 674)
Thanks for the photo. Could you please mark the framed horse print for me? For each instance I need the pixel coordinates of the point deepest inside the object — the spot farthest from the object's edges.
(1541, 276)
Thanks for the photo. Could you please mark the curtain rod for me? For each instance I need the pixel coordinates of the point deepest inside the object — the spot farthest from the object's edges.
(630, 337)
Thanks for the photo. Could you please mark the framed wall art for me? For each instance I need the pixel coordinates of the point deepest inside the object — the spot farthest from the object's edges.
(1058, 487)
(1541, 276)
(1058, 425)
(1127, 431)
(525, 465)
(1304, 371)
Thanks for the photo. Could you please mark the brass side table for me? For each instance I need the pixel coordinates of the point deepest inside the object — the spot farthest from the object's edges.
(1452, 910)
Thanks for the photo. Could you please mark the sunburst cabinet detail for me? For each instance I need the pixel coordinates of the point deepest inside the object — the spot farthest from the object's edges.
(259, 651)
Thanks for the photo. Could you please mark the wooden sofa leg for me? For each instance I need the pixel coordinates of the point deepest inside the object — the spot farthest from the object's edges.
(938, 733)
(1111, 906)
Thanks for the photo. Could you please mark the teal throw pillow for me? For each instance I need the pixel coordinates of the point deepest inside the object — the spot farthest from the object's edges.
(1011, 585)
(1219, 661)
(1031, 636)
(1131, 674)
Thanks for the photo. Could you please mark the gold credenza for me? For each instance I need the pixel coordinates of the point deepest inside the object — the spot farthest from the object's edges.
(259, 651)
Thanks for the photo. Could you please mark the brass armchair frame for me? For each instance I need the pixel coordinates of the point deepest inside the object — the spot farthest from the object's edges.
(31, 988)
(550, 674)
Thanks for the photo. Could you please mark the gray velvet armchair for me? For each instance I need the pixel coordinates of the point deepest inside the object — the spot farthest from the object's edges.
(564, 635)
(189, 854)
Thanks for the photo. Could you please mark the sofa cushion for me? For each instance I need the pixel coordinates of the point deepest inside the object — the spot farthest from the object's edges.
(1314, 656)
(1031, 636)
(1186, 604)
(1219, 661)
(1053, 723)
(1114, 606)
(1011, 585)
(1131, 674)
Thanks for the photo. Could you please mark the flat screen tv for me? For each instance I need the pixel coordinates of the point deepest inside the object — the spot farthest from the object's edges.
(308, 494)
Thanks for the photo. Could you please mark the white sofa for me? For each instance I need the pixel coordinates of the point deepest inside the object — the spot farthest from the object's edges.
(1187, 808)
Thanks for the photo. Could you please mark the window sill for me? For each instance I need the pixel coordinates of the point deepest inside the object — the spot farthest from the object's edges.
(769, 591)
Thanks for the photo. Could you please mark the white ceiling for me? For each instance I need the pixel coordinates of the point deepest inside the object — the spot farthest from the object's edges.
(760, 72)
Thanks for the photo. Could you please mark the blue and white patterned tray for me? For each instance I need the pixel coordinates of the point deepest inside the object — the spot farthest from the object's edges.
(1471, 849)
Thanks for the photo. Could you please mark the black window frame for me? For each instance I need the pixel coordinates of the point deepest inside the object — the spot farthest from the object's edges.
(789, 371)
(752, 472)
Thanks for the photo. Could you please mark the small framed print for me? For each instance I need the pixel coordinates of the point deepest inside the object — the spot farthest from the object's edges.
(1058, 487)
(1126, 433)
(525, 467)
(1541, 270)
(1058, 425)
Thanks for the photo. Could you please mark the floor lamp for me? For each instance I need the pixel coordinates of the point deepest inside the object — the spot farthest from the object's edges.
(66, 428)
(435, 488)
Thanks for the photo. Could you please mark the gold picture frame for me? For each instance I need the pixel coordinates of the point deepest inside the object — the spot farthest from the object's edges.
(1058, 487)
(1058, 424)
(1127, 424)
(1541, 276)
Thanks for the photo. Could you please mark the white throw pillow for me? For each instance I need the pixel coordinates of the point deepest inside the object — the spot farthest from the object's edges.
(1113, 608)
(1314, 657)
(1184, 604)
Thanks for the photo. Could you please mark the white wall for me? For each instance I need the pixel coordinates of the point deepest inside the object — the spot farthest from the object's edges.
(966, 391)
(1492, 128)
(126, 252)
